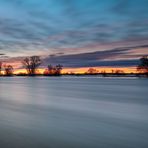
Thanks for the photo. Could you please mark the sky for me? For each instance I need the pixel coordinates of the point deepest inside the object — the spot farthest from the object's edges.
(74, 33)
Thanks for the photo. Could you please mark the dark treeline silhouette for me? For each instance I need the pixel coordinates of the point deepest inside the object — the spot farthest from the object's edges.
(0, 68)
(53, 70)
(31, 64)
(92, 71)
(143, 66)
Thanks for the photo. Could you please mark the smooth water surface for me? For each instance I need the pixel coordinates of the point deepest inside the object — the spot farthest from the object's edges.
(73, 112)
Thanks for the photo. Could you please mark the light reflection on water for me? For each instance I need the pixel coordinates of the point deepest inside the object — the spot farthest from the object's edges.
(73, 112)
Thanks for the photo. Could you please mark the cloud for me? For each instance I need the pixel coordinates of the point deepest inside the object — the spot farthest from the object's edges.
(37, 27)
(124, 56)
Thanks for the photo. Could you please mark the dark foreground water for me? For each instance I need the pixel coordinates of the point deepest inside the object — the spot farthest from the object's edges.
(73, 112)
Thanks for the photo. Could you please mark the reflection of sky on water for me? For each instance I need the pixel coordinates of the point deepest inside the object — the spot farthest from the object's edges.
(73, 112)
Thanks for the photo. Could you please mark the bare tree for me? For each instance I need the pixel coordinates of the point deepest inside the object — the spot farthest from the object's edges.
(53, 70)
(1, 67)
(8, 69)
(58, 68)
(92, 71)
(31, 64)
(143, 66)
(118, 71)
(50, 69)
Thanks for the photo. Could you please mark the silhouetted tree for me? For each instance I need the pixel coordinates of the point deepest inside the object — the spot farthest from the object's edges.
(50, 69)
(31, 64)
(143, 66)
(92, 71)
(118, 71)
(112, 71)
(1, 68)
(8, 69)
(58, 69)
(53, 70)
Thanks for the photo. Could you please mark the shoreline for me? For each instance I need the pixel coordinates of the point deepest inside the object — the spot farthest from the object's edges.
(81, 75)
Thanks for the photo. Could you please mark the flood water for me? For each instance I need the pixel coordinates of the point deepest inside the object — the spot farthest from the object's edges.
(73, 112)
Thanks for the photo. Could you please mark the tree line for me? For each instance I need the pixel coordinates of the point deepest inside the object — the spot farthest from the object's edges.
(142, 69)
(32, 63)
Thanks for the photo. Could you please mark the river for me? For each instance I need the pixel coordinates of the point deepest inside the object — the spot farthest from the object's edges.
(73, 112)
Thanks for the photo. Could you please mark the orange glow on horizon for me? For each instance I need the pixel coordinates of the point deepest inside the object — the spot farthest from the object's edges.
(82, 70)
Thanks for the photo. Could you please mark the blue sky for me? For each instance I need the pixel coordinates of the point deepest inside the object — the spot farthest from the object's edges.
(99, 32)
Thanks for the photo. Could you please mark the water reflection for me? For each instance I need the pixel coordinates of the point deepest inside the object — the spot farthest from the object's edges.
(73, 112)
